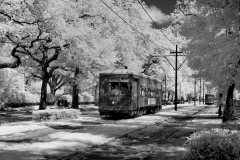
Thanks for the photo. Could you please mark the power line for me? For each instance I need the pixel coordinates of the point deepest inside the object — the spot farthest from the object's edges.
(155, 22)
(133, 27)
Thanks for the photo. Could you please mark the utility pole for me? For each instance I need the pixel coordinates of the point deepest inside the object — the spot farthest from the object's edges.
(180, 89)
(176, 68)
(203, 93)
(200, 99)
(195, 82)
(165, 89)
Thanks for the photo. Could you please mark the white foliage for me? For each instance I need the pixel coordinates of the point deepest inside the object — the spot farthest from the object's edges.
(211, 51)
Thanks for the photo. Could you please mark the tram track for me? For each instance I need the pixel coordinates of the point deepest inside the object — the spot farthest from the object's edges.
(184, 125)
(176, 121)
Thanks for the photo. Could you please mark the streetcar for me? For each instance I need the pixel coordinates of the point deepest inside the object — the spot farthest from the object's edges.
(209, 98)
(124, 92)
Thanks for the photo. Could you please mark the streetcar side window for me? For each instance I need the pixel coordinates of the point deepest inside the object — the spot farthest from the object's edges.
(153, 92)
(146, 91)
(157, 92)
(141, 91)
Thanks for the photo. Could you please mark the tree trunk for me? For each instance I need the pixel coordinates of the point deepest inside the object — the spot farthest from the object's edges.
(96, 94)
(2, 106)
(52, 90)
(75, 90)
(43, 98)
(219, 105)
(228, 113)
(169, 93)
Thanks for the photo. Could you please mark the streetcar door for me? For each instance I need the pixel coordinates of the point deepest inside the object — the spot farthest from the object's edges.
(134, 95)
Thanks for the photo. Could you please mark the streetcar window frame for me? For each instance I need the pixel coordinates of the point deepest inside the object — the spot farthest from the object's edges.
(153, 92)
(145, 91)
(157, 92)
(122, 85)
(141, 90)
(103, 87)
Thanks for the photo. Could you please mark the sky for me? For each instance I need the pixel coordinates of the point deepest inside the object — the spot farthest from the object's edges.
(158, 9)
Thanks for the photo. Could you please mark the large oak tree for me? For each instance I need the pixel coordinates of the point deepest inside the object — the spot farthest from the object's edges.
(213, 30)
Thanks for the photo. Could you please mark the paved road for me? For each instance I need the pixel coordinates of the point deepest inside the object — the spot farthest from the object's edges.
(63, 138)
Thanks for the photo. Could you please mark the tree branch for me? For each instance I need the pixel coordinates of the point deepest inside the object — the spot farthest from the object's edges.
(14, 64)
(57, 52)
(36, 76)
(63, 82)
(52, 70)
(2, 12)
(186, 14)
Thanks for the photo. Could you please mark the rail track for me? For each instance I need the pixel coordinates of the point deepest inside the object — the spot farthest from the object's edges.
(107, 151)
(188, 120)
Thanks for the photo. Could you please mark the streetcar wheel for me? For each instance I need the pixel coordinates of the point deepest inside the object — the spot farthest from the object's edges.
(144, 111)
(135, 113)
(156, 109)
(140, 112)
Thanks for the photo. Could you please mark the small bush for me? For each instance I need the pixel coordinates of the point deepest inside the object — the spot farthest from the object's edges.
(86, 97)
(55, 115)
(214, 144)
(23, 97)
(31, 98)
(66, 97)
(51, 98)
(231, 125)
(80, 98)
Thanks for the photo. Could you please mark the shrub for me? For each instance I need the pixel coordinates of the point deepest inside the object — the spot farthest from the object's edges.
(34, 87)
(80, 98)
(31, 98)
(86, 97)
(66, 97)
(51, 98)
(214, 144)
(232, 125)
(23, 97)
(55, 115)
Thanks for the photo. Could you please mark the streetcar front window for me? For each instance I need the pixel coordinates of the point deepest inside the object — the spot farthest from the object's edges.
(118, 86)
(103, 87)
(125, 87)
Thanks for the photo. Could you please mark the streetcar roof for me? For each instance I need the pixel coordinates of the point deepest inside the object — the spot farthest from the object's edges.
(120, 71)
(209, 94)
(125, 71)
